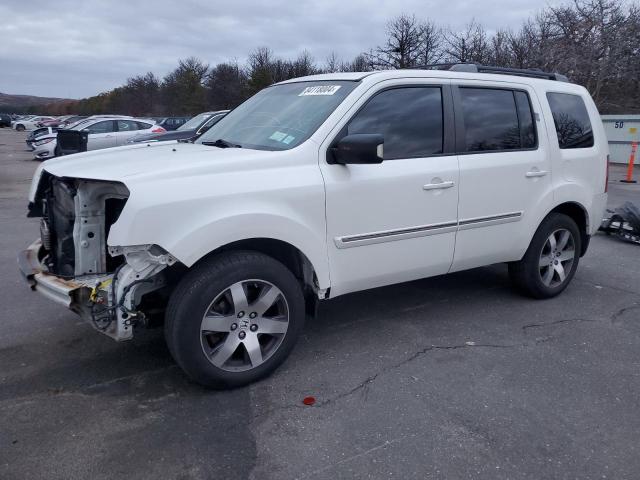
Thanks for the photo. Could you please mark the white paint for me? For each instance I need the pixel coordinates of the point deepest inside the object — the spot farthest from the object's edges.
(191, 199)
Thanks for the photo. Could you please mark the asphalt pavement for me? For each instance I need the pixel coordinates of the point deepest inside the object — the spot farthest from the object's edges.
(452, 377)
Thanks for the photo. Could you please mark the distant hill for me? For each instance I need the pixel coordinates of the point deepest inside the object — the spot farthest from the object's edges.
(17, 102)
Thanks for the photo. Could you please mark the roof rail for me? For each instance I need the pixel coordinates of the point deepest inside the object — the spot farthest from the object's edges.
(478, 68)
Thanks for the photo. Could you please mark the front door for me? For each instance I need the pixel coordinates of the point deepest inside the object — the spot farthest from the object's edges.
(394, 221)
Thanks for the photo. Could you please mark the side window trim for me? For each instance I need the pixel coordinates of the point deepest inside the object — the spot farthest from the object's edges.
(448, 130)
(460, 133)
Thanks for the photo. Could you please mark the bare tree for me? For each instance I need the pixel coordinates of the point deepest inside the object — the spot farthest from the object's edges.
(404, 46)
(467, 45)
(227, 86)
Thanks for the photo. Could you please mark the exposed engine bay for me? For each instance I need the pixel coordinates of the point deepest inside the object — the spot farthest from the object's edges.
(72, 264)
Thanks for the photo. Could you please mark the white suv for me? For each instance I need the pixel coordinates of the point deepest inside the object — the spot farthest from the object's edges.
(314, 188)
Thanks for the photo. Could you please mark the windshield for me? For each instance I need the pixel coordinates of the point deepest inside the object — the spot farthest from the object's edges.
(280, 117)
(194, 122)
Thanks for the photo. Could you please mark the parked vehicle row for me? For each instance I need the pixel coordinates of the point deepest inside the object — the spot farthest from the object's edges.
(188, 131)
(29, 123)
(50, 137)
(314, 188)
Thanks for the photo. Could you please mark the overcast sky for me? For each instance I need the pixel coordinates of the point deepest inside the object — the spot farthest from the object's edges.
(75, 48)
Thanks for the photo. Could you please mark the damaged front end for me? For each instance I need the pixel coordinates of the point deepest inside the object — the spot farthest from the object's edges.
(72, 264)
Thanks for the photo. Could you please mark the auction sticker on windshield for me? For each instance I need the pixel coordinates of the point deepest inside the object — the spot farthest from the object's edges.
(320, 90)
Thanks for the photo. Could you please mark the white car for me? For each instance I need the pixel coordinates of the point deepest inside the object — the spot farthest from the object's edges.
(314, 188)
(105, 132)
(44, 146)
(28, 123)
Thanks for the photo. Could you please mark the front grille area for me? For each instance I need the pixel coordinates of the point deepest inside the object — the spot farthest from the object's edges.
(102, 204)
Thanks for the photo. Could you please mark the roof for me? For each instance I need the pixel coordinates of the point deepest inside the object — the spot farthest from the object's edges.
(380, 75)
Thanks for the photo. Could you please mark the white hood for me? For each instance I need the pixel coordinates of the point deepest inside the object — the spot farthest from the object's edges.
(143, 162)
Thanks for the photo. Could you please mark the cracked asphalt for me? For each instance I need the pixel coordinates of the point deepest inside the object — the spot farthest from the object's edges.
(444, 378)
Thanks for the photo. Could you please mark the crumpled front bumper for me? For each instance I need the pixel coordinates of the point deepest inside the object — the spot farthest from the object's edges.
(138, 276)
(65, 292)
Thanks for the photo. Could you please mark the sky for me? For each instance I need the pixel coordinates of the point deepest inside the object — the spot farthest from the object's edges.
(79, 48)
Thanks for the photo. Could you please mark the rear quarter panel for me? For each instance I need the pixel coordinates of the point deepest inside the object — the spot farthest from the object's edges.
(579, 174)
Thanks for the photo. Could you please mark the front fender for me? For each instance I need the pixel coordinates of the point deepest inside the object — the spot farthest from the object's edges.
(191, 228)
(198, 243)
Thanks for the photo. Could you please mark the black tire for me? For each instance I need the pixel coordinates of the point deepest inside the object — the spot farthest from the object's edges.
(526, 274)
(20, 128)
(193, 296)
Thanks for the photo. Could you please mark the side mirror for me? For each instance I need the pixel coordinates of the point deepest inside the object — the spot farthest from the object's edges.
(358, 148)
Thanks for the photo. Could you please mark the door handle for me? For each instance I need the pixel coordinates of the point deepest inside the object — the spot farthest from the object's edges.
(536, 173)
(438, 186)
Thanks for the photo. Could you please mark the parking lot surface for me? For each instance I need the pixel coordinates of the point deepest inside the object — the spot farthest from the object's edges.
(449, 377)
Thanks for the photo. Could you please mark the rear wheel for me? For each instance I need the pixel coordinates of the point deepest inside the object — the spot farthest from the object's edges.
(234, 319)
(20, 128)
(551, 259)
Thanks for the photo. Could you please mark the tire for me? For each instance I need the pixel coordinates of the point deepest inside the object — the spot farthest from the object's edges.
(235, 292)
(20, 128)
(532, 276)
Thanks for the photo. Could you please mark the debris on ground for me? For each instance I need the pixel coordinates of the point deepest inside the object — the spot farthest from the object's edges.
(623, 222)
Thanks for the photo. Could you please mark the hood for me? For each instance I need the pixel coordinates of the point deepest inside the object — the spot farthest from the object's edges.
(142, 162)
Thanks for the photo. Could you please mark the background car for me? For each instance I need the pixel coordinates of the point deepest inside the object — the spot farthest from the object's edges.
(44, 146)
(189, 131)
(172, 123)
(101, 132)
(17, 118)
(5, 120)
(29, 124)
(73, 119)
(38, 132)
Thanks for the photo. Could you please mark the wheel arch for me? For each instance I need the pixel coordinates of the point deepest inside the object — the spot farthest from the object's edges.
(286, 253)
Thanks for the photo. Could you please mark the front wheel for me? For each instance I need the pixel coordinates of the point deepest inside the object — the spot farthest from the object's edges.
(234, 319)
(20, 128)
(551, 259)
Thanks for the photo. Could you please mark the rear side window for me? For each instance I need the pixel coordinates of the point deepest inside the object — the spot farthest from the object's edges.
(571, 120)
(143, 126)
(410, 119)
(496, 119)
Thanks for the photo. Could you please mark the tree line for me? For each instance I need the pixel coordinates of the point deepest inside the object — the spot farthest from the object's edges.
(596, 43)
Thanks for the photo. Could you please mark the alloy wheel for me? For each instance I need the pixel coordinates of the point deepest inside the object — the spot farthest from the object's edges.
(557, 257)
(244, 325)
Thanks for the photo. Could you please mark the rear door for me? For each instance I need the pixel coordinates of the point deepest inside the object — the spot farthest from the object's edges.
(505, 171)
(126, 130)
(101, 135)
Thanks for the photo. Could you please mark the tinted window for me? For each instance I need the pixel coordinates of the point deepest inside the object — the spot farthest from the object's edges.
(525, 116)
(571, 119)
(490, 119)
(143, 126)
(101, 127)
(410, 119)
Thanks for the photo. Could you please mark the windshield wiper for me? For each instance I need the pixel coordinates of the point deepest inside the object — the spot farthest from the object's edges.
(221, 143)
